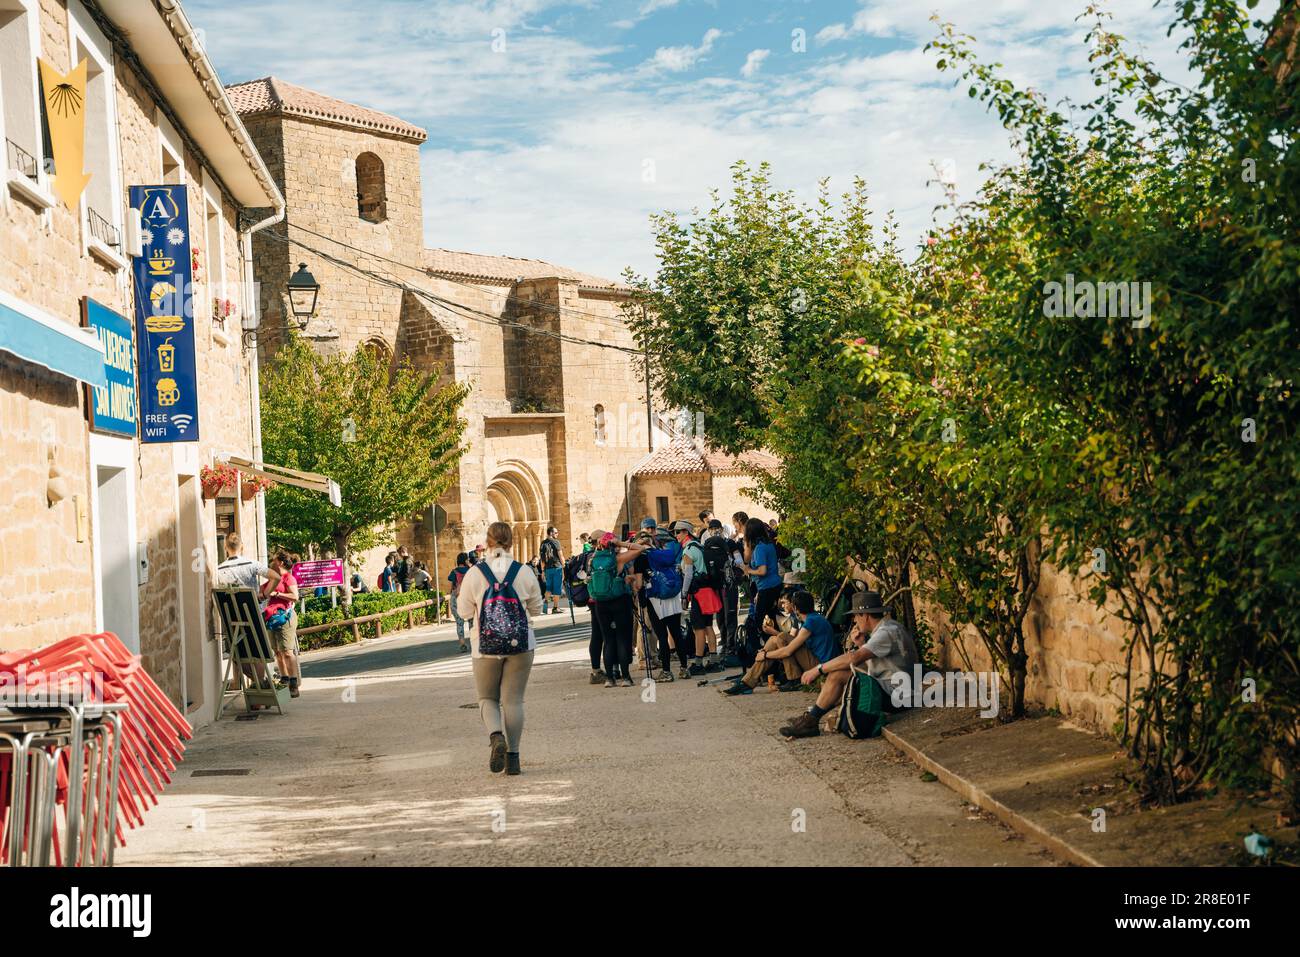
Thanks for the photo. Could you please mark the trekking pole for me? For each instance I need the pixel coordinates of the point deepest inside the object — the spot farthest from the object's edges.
(835, 601)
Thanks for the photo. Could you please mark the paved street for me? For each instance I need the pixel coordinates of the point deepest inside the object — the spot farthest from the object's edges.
(383, 760)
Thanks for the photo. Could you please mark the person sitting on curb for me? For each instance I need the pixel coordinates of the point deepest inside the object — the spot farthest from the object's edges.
(881, 643)
(812, 644)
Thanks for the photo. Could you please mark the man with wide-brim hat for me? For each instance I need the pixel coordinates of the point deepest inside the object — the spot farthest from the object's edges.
(882, 647)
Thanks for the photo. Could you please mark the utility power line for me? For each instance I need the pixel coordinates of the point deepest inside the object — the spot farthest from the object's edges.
(465, 311)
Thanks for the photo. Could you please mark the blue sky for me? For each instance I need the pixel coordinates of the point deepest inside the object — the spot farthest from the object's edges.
(594, 115)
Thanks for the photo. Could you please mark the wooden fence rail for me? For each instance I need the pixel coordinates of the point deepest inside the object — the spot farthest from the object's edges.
(355, 623)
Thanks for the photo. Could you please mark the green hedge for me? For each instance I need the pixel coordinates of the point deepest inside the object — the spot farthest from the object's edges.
(318, 612)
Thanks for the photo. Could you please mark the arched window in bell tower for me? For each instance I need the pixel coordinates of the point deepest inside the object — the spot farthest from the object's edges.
(372, 200)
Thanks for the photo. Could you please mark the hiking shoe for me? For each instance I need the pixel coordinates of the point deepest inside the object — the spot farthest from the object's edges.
(665, 675)
(804, 726)
(497, 762)
(792, 685)
(738, 688)
(697, 670)
(684, 673)
(512, 763)
(625, 682)
(715, 665)
(597, 676)
(609, 682)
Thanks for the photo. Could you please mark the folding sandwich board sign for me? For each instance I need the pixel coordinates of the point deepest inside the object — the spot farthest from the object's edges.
(251, 653)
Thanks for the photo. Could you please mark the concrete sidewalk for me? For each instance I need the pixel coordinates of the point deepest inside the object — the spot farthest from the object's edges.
(384, 761)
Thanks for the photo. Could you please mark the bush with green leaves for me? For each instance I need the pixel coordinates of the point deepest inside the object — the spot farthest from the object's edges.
(947, 417)
(370, 603)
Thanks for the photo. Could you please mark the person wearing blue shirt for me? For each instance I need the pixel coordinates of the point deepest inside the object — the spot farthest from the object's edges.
(809, 642)
(760, 566)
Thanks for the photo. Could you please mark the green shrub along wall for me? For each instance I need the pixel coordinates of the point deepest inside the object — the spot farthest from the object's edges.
(318, 612)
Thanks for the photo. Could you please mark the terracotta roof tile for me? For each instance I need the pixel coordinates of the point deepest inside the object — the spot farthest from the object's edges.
(273, 95)
(686, 456)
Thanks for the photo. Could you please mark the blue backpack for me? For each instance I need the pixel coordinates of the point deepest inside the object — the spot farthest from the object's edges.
(665, 579)
(502, 619)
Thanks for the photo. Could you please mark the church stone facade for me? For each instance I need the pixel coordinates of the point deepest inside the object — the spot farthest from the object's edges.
(555, 426)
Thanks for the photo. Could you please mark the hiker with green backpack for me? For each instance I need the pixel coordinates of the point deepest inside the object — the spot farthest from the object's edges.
(607, 585)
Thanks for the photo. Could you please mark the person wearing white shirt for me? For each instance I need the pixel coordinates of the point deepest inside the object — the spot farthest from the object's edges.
(500, 679)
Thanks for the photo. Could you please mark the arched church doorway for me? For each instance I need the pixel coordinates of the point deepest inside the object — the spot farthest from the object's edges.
(515, 496)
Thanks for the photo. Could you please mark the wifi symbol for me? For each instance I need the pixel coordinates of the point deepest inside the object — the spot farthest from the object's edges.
(182, 422)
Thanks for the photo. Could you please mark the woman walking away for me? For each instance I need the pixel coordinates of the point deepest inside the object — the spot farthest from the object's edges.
(500, 596)
(613, 607)
(455, 577)
(760, 566)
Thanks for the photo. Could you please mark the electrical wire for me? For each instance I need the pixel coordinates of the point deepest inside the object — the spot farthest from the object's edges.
(424, 270)
(465, 311)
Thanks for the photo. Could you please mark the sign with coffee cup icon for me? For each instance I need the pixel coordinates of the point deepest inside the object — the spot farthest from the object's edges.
(164, 309)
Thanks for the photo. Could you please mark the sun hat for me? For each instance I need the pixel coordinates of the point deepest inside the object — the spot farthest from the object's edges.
(867, 602)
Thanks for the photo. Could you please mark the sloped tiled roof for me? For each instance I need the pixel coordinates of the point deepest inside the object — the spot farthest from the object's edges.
(271, 95)
(461, 265)
(686, 456)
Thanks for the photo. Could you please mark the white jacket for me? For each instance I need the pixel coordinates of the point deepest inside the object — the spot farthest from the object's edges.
(473, 586)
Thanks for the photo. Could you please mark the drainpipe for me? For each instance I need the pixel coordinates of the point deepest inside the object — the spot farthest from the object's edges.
(250, 325)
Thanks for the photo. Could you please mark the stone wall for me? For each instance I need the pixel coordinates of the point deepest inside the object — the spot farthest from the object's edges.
(1076, 652)
(46, 567)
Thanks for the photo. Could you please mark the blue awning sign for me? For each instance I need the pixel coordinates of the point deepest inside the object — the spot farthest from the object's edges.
(35, 336)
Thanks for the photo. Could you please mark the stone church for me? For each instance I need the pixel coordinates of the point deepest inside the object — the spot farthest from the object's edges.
(556, 426)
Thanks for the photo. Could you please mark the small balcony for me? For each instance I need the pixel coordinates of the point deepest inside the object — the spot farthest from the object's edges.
(21, 161)
(104, 231)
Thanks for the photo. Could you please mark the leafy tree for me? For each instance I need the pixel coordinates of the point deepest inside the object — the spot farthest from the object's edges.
(1183, 491)
(745, 293)
(390, 439)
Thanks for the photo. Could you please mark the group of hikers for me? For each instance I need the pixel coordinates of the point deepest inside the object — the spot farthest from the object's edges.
(675, 593)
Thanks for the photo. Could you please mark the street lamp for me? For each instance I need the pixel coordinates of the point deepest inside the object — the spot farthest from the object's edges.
(303, 289)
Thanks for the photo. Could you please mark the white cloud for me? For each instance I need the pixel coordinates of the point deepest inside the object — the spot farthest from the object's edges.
(682, 58)
(754, 62)
(540, 151)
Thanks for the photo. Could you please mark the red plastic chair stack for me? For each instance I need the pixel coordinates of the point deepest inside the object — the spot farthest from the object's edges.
(153, 729)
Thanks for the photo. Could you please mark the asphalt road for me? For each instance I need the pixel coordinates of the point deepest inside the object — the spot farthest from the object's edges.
(383, 760)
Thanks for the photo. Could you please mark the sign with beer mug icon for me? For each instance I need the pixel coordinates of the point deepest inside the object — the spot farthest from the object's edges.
(168, 393)
(167, 358)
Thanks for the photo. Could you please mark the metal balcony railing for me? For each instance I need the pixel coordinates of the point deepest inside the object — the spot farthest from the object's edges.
(103, 230)
(17, 158)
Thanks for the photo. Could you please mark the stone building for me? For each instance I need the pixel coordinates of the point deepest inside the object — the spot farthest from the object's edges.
(684, 477)
(101, 531)
(556, 417)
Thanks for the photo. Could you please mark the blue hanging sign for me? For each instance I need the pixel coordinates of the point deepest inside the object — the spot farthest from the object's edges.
(112, 406)
(164, 309)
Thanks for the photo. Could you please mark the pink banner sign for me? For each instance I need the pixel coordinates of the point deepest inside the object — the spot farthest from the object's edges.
(316, 574)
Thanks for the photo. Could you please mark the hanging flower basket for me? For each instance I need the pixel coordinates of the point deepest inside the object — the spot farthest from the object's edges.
(196, 272)
(223, 309)
(253, 485)
(217, 479)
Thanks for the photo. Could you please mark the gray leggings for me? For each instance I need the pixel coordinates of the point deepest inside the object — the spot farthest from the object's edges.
(500, 684)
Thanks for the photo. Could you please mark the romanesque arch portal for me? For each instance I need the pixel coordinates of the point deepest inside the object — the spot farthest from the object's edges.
(516, 496)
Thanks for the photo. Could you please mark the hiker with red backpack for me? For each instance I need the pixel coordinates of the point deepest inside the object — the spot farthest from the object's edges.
(499, 596)
(454, 578)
